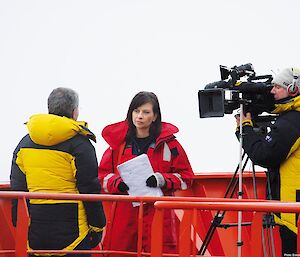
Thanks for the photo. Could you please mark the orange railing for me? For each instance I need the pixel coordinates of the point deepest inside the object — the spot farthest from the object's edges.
(205, 185)
(186, 248)
(189, 224)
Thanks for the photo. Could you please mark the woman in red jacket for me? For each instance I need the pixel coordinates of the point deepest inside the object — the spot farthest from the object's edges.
(143, 132)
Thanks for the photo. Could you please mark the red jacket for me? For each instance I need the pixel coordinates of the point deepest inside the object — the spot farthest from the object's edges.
(167, 157)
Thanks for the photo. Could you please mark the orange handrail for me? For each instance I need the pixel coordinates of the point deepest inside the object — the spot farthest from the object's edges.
(110, 198)
(237, 205)
(187, 203)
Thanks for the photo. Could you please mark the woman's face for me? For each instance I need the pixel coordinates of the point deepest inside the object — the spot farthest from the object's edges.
(142, 118)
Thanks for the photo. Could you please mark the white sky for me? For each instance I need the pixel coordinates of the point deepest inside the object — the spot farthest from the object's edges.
(110, 50)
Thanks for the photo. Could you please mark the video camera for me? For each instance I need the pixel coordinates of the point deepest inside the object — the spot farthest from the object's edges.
(224, 96)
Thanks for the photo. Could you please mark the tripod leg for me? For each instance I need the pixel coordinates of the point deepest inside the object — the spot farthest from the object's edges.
(254, 182)
(272, 241)
(233, 178)
(263, 242)
(237, 180)
(269, 197)
(230, 190)
(217, 220)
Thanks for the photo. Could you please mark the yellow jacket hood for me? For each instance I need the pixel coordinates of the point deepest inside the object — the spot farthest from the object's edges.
(49, 129)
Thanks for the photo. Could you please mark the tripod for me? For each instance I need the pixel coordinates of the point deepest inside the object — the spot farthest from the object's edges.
(220, 214)
(268, 219)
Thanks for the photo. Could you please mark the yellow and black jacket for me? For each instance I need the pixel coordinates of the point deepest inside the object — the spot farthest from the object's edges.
(279, 151)
(57, 157)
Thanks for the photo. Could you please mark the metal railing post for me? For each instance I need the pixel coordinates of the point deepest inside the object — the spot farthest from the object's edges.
(256, 234)
(298, 236)
(22, 228)
(140, 229)
(157, 230)
(185, 234)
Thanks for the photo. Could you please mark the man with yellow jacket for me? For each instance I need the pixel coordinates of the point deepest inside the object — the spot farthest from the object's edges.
(279, 151)
(58, 157)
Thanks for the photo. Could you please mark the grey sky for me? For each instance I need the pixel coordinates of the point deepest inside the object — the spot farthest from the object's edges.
(110, 50)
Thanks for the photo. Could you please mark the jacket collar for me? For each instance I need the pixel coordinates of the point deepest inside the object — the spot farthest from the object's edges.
(114, 134)
(292, 104)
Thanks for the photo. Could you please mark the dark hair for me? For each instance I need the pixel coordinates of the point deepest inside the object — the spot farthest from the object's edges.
(63, 101)
(138, 100)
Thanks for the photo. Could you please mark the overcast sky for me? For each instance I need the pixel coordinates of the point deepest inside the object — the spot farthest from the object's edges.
(110, 50)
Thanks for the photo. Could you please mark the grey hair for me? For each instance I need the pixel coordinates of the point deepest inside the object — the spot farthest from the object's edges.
(63, 101)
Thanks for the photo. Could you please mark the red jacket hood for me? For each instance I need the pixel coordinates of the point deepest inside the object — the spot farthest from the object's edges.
(114, 134)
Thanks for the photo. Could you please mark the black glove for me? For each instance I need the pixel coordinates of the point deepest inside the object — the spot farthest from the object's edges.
(122, 187)
(156, 180)
(95, 238)
(151, 181)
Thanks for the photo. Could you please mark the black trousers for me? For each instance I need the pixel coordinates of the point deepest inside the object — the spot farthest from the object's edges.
(84, 245)
(288, 241)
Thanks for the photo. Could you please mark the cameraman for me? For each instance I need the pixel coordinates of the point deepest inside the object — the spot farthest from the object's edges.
(279, 151)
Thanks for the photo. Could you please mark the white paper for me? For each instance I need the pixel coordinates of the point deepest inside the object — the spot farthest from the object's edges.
(135, 173)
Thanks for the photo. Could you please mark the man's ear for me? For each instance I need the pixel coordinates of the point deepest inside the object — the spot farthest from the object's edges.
(75, 114)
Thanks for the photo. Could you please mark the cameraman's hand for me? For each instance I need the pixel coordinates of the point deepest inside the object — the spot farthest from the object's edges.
(95, 238)
(244, 118)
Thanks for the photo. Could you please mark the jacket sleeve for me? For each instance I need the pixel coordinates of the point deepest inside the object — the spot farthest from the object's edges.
(109, 178)
(87, 182)
(17, 182)
(273, 148)
(181, 174)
